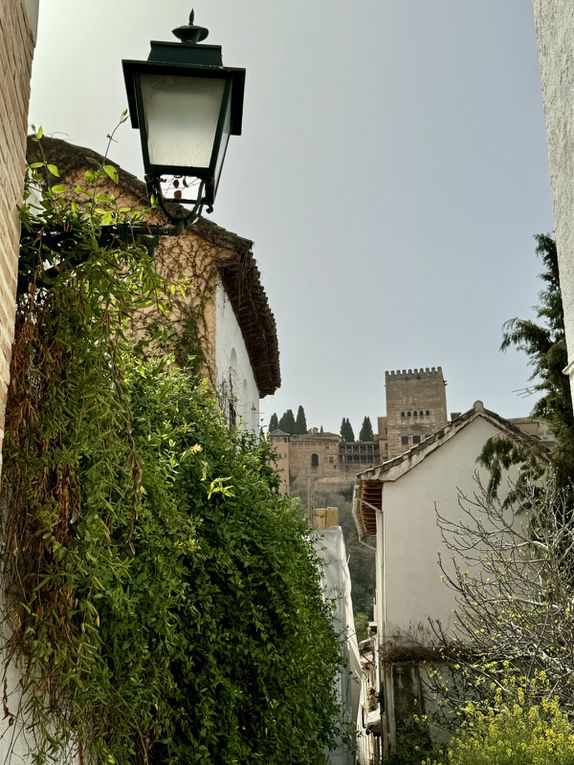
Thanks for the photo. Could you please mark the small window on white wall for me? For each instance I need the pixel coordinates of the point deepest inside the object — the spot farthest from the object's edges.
(233, 363)
(230, 390)
(244, 404)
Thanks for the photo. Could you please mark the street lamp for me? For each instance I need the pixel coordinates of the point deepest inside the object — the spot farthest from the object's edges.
(186, 104)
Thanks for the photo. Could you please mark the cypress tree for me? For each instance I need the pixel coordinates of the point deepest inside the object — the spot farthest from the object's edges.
(301, 422)
(287, 422)
(347, 430)
(366, 433)
(273, 423)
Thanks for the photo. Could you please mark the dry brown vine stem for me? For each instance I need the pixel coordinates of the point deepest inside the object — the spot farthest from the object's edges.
(513, 575)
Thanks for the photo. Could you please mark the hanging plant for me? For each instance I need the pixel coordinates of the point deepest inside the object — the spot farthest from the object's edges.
(162, 601)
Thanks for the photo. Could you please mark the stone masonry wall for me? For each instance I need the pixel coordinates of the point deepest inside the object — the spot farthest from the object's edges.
(416, 406)
(302, 466)
(17, 37)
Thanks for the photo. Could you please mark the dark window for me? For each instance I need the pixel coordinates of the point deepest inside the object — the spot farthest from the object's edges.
(404, 440)
(416, 439)
(415, 413)
(314, 460)
(421, 412)
(232, 416)
(427, 412)
(408, 414)
(402, 414)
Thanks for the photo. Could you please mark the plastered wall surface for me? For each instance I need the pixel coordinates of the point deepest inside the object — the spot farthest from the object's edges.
(17, 38)
(411, 540)
(555, 32)
(232, 363)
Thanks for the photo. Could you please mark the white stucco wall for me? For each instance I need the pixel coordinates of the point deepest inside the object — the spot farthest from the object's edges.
(330, 547)
(411, 539)
(32, 7)
(555, 32)
(232, 363)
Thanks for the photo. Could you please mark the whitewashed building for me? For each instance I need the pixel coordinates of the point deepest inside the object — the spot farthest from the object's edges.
(397, 504)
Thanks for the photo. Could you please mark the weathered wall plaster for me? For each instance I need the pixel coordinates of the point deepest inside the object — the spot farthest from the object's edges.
(555, 32)
(17, 39)
(232, 363)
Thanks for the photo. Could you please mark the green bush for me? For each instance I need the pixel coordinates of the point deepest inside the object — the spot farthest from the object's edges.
(164, 599)
(516, 732)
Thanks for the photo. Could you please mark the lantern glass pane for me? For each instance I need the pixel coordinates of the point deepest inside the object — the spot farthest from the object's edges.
(181, 115)
(223, 144)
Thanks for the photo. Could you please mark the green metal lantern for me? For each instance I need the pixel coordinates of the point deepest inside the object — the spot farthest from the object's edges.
(186, 104)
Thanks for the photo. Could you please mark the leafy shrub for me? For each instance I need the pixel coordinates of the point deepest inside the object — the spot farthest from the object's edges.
(163, 600)
(513, 732)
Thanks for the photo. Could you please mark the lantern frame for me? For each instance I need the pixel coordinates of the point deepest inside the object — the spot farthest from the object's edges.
(191, 60)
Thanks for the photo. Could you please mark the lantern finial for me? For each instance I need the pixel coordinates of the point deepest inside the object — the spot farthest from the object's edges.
(189, 33)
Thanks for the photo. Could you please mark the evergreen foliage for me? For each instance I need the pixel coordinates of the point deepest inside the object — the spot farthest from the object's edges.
(545, 345)
(163, 600)
(273, 423)
(301, 422)
(366, 433)
(346, 430)
(287, 422)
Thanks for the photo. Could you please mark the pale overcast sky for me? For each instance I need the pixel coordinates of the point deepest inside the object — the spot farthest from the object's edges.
(392, 172)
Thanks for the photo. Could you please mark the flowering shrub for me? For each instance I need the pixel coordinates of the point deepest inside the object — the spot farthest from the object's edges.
(515, 732)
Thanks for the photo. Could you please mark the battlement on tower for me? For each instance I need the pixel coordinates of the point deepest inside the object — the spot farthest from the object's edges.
(404, 374)
(416, 407)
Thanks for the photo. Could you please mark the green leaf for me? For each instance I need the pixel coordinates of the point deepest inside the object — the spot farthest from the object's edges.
(58, 188)
(39, 133)
(112, 172)
(53, 169)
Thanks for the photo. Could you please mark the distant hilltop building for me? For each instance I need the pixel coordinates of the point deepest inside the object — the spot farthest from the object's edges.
(416, 408)
(305, 460)
(316, 463)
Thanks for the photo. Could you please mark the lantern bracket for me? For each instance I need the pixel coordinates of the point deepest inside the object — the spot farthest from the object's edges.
(153, 184)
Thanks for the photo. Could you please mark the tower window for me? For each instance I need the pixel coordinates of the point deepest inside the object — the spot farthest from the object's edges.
(404, 440)
(314, 460)
(427, 413)
(416, 439)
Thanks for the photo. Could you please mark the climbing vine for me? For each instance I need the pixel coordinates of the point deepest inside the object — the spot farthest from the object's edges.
(162, 601)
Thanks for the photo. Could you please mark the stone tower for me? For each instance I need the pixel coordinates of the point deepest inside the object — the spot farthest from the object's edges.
(416, 407)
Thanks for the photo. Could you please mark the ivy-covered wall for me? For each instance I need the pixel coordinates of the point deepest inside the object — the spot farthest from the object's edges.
(162, 600)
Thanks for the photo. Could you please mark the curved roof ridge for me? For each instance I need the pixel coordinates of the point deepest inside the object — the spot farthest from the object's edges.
(240, 275)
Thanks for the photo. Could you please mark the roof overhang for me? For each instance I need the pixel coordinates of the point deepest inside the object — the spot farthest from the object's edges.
(367, 502)
(368, 492)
